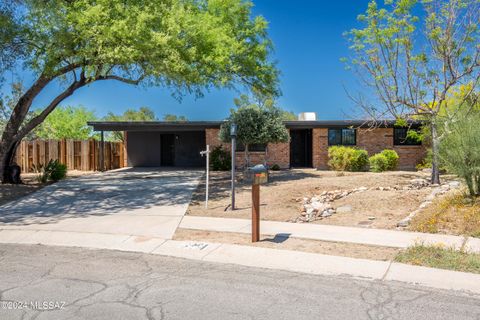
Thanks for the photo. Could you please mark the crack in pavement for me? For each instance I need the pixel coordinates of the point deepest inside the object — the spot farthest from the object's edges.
(141, 286)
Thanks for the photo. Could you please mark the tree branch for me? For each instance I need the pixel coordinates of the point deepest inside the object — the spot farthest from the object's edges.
(33, 123)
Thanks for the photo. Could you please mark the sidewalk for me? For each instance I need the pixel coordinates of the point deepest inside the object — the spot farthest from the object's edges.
(377, 237)
(293, 261)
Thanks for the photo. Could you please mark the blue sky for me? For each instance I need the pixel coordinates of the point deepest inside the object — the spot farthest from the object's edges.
(308, 46)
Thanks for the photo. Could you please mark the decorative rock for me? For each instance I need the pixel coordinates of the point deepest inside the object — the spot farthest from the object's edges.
(344, 209)
(425, 204)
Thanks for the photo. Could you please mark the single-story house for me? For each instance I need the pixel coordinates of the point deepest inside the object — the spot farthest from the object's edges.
(178, 144)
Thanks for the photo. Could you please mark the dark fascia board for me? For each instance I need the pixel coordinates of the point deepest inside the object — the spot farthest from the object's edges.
(202, 125)
(153, 125)
(347, 124)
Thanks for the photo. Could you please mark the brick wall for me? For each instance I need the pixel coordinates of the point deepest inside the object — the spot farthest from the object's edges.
(278, 153)
(372, 140)
(320, 148)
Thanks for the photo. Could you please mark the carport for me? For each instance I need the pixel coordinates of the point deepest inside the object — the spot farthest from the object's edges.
(161, 144)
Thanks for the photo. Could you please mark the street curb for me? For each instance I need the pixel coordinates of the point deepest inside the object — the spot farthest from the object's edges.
(294, 261)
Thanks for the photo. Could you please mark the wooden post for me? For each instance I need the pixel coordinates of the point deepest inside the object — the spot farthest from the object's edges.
(255, 212)
(102, 151)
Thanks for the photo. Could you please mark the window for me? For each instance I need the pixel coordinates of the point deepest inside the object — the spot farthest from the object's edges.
(252, 147)
(345, 137)
(400, 137)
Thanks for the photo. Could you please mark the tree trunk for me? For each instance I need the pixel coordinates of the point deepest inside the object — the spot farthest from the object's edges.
(7, 153)
(435, 158)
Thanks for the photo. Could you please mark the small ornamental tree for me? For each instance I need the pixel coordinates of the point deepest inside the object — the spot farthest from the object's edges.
(255, 125)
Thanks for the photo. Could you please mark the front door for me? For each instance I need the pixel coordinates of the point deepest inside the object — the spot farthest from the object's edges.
(167, 143)
(301, 148)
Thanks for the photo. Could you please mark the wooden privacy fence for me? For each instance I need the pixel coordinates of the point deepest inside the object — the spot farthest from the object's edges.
(77, 155)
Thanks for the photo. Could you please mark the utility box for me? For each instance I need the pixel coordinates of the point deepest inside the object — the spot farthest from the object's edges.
(258, 174)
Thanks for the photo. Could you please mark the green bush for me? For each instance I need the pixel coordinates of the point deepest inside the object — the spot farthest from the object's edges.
(220, 159)
(52, 171)
(392, 158)
(378, 163)
(275, 167)
(342, 158)
(384, 161)
(460, 149)
(56, 170)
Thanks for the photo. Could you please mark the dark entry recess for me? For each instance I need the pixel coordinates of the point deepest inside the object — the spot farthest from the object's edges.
(167, 143)
(301, 148)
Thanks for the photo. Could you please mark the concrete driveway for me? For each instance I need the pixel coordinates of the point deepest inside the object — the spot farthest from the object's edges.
(141, 202)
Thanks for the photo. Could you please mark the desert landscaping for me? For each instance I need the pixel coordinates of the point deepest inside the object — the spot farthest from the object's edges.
(361, 199)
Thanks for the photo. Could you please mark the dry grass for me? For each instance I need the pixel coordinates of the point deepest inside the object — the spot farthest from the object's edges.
(440, 257)
(453, 214)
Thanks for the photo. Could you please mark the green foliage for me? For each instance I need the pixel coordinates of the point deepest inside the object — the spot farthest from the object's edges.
(142, 114)
(392, 158)
(275, 167)
(184, 45)
(460, 149)
(174, 118)
(256, 124)
(52, 171)
(343, 158)
(220, 159)
(67, 123)
(426, 162)
(441, 257)
(412, 64)
(378, 163)
(386, 160)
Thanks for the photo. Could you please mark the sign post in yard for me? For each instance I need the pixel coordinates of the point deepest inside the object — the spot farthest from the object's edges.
(207, 154)
(259, 176)
(233, 135)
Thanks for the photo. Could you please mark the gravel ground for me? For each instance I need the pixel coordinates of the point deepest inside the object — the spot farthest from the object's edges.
(279, 199)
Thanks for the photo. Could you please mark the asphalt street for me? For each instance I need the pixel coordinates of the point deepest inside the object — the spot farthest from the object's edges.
(40, 282)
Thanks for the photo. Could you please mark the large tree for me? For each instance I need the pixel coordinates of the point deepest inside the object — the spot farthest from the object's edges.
(67, 122)
(185, 45)
(413, 63)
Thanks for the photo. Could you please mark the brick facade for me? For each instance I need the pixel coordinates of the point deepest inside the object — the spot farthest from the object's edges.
(372, 140)
(277, 153)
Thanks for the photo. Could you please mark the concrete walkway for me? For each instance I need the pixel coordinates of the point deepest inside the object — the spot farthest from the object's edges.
(295, 261)
(142, 202)
(377, 237)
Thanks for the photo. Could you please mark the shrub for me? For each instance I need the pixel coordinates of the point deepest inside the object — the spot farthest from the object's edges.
(378, 163)
(347, 158)
(460, 149)
(275, 167)
(52, 171)
(220, 159)
(384, 161)
(392, 158)
(56, 170)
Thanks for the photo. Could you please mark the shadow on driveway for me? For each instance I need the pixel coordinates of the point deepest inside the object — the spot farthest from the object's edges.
(147, 191)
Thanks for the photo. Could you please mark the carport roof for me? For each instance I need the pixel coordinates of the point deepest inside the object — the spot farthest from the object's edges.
(202, 125)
